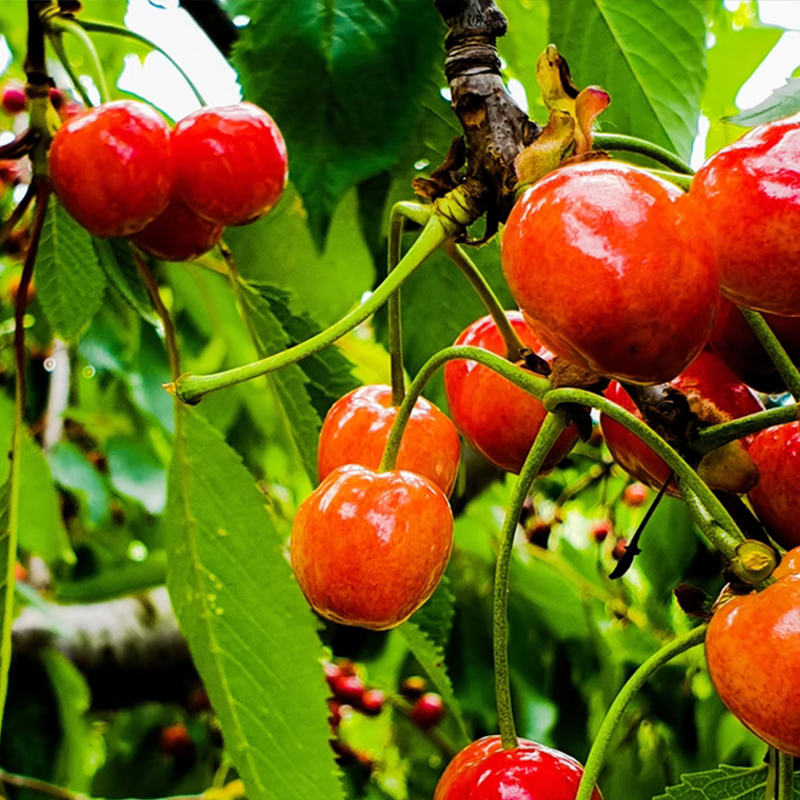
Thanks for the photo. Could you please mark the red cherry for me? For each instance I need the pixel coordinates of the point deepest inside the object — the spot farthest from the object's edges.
(619, 549)
(178, 234)
(174, 741)
(335, 718)
(348, 689)
(707, 383)
(750, 194)
(231, 163)
(600, 530)
(611, 272)
(753, 653)
(357, 426)
(413, 687)
(14, 100)
(498, 419)
(483, 770)
(635, 494)
(372, 702)
(776, 452)
(56, 98)
(790, 564)
(368, 548)
(71, 109)
(112, 167)
(20, 572)
(428, 711)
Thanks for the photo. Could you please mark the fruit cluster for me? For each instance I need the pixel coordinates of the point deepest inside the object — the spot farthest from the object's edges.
(119, 170)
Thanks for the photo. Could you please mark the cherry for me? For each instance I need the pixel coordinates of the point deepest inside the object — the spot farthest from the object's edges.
(112, 167)
(14, 100)
(600, 530)
(483, 770)
(368, 548)
(372, 702)
(348, 689)
(428, 711)
(753, 652)
(776, 452)
(498, 419)
(357, 426)
(231, 163)
(56, 98)
(619, 549)
(733, 340)
(178, 234)
(413, 687)
(790, 564)
(635, 494)
(175, 741)
(611, 272)
(713, 392)
(750, 194)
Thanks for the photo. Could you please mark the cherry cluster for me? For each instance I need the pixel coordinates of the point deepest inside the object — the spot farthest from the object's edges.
(120, 171)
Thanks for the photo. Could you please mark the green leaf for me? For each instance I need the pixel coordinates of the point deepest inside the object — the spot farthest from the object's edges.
(725, 783)
(135, 471)
(69, 279)
(342, 79)
(435, 618)
(116, 259)
(649, 55)
(251, 633)
(72, 470)
(783, 102)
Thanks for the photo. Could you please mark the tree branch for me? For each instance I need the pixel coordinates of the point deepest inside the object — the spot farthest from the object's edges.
(215, 23)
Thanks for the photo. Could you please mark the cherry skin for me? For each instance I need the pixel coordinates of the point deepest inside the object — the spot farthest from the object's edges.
(635, 494)
(428, 711)
(178, 234)
(709, 387)
(368, 548)
(231, 163)
(348, 689)
(733, 340)
(483, 770)
(498, 419)
(611, 271)
(372, 702)
(111, 167)
(753, 653)
(790, 564)
(776, 452)
(749, 193)
(357, 426)
(14, 100)
(175, 741)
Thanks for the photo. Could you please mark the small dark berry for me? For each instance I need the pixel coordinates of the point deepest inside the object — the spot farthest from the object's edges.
(620, 546)
(413, 687)
(348, 689)
(600, 530)
(635, 494)
(14, 98)
(428, 711)
(372, 702)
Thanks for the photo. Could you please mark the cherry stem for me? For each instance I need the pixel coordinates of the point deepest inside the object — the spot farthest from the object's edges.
(632, 144)
(57, 25)
(116, 30)
(395, 251)
(594, 763)
(785, 777)
(686, 475)
(454, 217)
(552, 427)
(16, 215)
(56, 40)
(533, 384)
(775, 350)
(715, 436)
(707, 525)
(514, 345)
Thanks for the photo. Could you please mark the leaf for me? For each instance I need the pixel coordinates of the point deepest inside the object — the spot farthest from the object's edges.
(342, 79)
(435, 618)
(135, 471)
(116, 259)
(783, 102)
(649, 55)
(251, 633)
(72, 470)
(725, 783)
(69, 280)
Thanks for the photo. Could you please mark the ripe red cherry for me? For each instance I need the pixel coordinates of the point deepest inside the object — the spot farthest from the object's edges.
(753, 652)
(611, 271)
(600, 530)
(178, 234)
(175, 741)
(709, 386)
(372, 702)
(790, 564)
(231, 163)
(112, 167)
(776, 452)
(357, 426)
(14, 100)
(428, 711)
(483, 770)
(348, 689)
(498, 419)
(749, 193)
(368, 548)
(635, 494)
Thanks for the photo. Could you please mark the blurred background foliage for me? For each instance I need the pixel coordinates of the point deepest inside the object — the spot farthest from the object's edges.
(358, 89)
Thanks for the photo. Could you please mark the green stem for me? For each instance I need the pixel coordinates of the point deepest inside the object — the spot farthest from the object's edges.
(600, 746)
(788, 371)
(785, 777)
(771, 785)
(60, 25)
(687, 476)
(533, 384)
(631, 144)
(707, 525)
(552, 427)
(514, 345)
(680, 180)
(192, 388)
(58, 45)
(393, 310)
(715, 436)
(116, 30)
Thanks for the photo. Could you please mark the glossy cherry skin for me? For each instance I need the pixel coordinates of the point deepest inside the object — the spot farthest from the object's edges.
(111, 167)
(368, 548)
(231, 163)
(611, 272)
(790, 564)
(357, 426)
(483, 770)
(749, 193)
(775, 498)
(178, 234)
(753, 653)
(733, 340)
(708, 384)
(498, 419)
